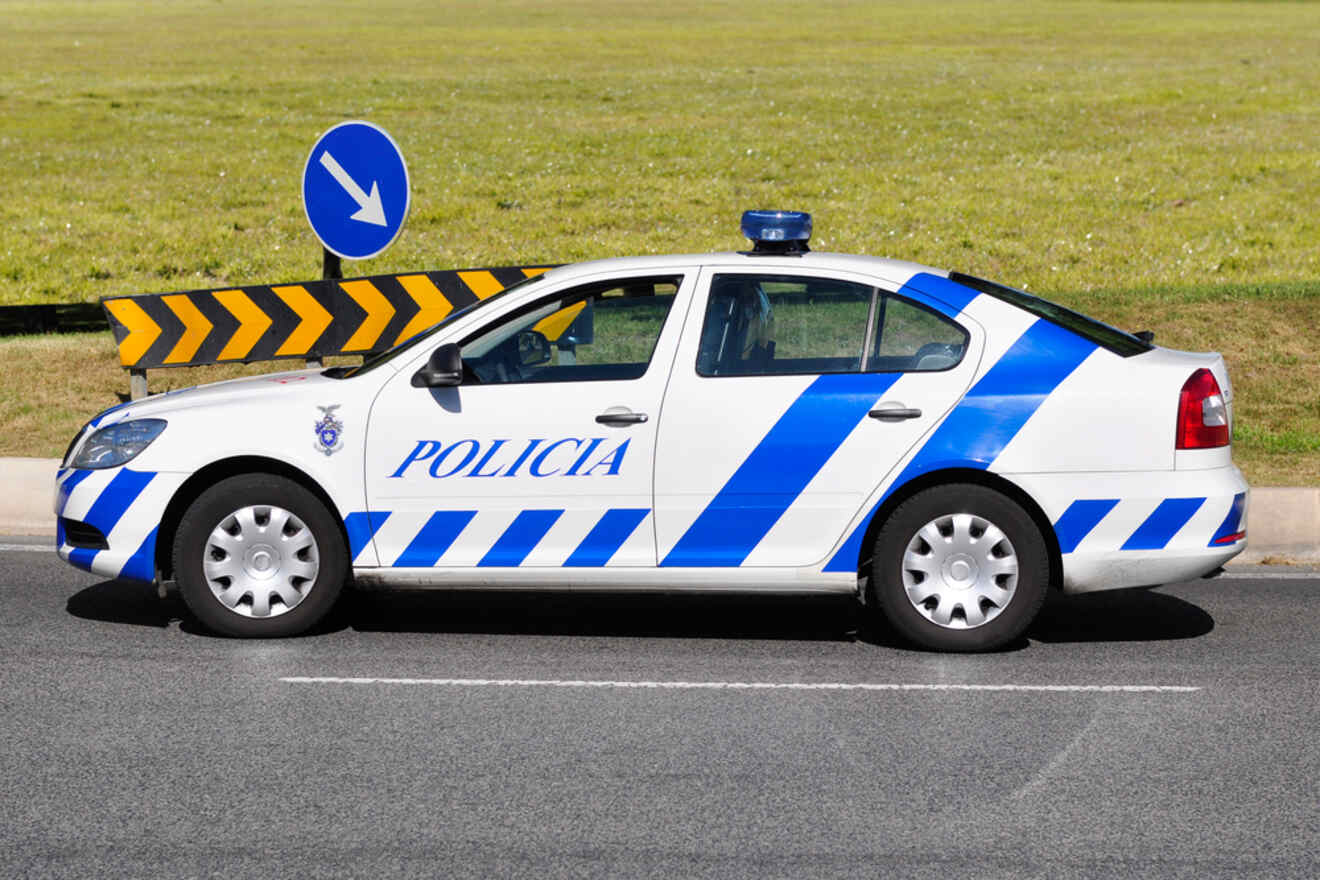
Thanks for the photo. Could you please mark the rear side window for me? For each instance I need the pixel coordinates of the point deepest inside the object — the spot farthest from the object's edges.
(910, 338)
(1119, 342)
(789, 325)
(781, 325)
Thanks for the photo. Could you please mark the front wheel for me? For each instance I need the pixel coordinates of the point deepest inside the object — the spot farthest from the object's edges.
(259, 556)
(959, 568)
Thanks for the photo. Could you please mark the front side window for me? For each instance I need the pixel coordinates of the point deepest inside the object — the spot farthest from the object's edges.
(601, 331)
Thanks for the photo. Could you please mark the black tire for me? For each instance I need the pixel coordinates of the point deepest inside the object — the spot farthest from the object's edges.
(964, 570)
(276, 570)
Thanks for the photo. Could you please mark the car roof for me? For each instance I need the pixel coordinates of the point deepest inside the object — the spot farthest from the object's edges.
(897, 271)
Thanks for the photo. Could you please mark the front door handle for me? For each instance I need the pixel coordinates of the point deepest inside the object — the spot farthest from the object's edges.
(620, 418)
(894, 413)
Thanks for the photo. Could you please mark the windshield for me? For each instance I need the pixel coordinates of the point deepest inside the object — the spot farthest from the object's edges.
(370, 363)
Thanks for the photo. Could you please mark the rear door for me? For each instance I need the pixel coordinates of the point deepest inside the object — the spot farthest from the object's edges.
(794, 393)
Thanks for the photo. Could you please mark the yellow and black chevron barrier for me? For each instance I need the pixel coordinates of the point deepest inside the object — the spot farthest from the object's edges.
(310, 320)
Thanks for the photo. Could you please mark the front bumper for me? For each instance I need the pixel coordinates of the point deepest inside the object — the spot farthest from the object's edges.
(121, 505)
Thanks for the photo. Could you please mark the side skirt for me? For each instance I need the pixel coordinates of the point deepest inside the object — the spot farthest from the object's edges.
(616, 579)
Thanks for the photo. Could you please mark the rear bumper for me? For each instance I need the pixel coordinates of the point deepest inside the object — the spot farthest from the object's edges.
(1142, 529)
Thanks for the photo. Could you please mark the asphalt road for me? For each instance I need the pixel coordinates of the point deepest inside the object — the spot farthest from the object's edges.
(134, 745)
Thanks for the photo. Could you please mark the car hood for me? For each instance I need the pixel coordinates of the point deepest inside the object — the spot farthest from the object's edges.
(261, 388)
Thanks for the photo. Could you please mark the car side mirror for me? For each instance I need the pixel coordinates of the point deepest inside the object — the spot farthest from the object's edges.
(443, 368)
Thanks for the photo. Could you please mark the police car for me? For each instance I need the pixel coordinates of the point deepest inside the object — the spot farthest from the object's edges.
(775, 420)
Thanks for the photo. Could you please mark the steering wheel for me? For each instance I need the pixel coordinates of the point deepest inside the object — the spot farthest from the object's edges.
(499, 365)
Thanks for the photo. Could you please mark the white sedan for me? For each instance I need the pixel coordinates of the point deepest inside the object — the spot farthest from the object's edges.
(774, 420)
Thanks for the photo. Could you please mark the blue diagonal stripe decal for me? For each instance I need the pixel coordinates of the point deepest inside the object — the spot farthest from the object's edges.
(520, 538)
(1232, 524)
(1079, 519)
(109, 507)
(950, 293)
(439, 533)
(606, 537)
(82, 557)
(988, 416)
(116, 498)
(1160, 527)
(66, 488)
(141, 566)
(778, 469)
(101, 417)
(361, 527)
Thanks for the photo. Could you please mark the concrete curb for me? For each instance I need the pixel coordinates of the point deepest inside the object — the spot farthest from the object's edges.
(27, 496)
(1283, 525)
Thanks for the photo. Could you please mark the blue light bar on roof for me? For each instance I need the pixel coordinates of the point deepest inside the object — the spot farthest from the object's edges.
(777, 231)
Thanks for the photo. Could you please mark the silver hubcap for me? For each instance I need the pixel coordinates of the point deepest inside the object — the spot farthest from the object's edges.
(960, 571)
(261, 561)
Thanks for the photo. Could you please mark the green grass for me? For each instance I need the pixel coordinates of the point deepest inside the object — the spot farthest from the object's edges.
(153, 146)
(1155, 165)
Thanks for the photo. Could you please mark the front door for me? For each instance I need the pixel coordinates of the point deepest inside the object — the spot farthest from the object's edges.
(799, 394)
(543, 455)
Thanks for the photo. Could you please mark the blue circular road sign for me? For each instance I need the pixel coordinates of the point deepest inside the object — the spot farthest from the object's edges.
(355, 190)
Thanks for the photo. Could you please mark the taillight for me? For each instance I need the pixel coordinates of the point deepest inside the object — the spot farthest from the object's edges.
(1202, 413)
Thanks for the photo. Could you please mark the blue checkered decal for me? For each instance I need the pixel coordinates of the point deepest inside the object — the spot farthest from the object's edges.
(1155, 532)
(442, 529)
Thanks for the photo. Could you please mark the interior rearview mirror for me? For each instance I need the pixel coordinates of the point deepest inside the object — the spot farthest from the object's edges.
(533, 348)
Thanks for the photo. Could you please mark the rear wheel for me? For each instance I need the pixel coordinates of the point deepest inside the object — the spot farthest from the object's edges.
(959, 568)
(259, 556)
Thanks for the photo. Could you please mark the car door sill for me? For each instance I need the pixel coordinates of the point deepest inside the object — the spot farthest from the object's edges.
(621, 579)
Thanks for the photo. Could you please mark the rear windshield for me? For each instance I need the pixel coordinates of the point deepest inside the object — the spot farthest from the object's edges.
(1117, 341)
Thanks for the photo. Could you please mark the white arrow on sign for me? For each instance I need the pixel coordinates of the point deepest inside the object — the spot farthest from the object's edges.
(370, 208)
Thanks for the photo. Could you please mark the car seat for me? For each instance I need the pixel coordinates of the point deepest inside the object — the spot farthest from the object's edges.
(737, 337)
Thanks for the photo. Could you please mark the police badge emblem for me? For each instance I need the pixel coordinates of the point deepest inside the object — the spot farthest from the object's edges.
(329, 431)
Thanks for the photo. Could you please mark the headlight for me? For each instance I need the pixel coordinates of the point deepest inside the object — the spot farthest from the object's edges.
(118, 444)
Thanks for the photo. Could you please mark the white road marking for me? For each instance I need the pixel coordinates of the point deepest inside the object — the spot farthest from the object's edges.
(1271, 575)
(38, 548)
(749, 685)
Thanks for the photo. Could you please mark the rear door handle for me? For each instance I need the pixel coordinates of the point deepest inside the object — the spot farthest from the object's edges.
(894, 414)
(621, 418)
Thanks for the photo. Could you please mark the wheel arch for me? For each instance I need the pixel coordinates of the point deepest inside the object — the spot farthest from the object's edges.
(213, 473)
(976, 477)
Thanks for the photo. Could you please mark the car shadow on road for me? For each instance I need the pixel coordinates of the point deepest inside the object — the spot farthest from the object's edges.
(138, 604)
(828, 618)
(1120, 616)
(1127, 615)
(127, 602)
